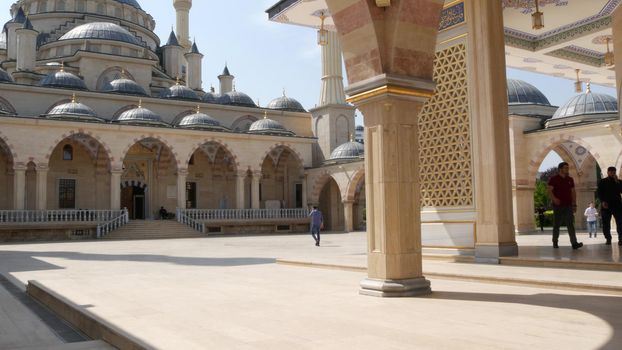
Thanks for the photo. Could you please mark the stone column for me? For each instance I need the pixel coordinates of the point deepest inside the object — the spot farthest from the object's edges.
(616, 26)
(524, 210)
(489, 111)
(332, 73)
(26, 47)
(19, 187)
(256, 203)
(585, 195)
(348, 213)
(182, 175)
(393, 195)
(41, 188)
(115, 189)
(304, 192)
(240, 190)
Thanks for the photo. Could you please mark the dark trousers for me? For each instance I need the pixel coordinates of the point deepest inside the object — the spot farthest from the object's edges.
(607, 214)
(564, 216)
(315, 232)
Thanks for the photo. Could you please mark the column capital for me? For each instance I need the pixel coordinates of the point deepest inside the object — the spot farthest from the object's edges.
(348, 201)
(182, 172)
(388, 84)
(241, 173)
(257, 174)
(42, 168)
(116, 172)
(20, 167)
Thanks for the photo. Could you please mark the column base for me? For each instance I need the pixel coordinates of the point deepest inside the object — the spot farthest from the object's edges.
(395, 288)
(489, 254)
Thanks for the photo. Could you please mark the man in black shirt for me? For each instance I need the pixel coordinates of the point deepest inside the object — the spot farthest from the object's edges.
(609, 190)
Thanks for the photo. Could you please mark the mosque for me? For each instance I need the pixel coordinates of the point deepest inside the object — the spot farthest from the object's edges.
(102, 125)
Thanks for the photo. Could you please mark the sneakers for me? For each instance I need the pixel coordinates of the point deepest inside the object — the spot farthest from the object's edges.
(608, 242)
(555, 245)
(577, 246)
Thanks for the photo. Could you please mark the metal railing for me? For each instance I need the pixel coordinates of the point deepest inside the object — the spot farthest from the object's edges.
(243, 214)
(48, 216)
(113, 224)
(185, 219)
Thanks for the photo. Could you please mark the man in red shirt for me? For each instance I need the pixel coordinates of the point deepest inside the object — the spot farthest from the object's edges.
(562, 193)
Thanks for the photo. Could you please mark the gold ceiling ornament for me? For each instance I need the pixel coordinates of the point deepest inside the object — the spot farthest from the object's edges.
(537, 18)
(609, 58)
(578, 85)
(383, 3)
(322, 33)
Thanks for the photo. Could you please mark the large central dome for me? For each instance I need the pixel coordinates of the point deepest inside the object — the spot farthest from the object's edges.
(102, 31)
(130, 2)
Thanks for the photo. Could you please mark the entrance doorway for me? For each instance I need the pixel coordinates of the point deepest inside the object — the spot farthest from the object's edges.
(133, 198)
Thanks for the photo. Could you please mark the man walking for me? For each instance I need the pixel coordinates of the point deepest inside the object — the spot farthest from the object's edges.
(562, 193)
(316, 224)
(609, 190)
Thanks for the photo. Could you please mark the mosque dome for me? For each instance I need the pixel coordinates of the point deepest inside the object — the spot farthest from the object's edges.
(211, 97)
(521, 92)
(236, 98)
(285, 103)
(200, 121)
(348, 150)
(5, 77)
(140, 116)
(62, 79)
(588, 103)
(74, 111)
(179, 92)
(101, 31)
(133, 3)
(125, 86)
(269, 127)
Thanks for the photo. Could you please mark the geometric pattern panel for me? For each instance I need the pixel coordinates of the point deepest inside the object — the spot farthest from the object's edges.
(445, 135)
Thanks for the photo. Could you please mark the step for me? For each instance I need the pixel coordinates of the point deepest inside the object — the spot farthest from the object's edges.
(153, 229)
(85, 345)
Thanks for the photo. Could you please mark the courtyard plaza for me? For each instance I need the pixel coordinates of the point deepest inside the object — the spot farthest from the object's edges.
(282, 292)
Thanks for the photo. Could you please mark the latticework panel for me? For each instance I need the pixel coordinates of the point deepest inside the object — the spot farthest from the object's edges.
(445, 135)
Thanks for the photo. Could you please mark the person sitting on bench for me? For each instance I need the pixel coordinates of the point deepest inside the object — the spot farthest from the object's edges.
(163, 214)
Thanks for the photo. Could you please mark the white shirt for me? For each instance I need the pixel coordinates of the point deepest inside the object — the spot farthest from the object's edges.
(591, 214)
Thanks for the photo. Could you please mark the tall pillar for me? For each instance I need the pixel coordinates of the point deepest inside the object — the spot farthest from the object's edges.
(616, 26)
(348, 213)
(523, 209)
(26, 47)
(41, 188)
(240, 189)
(256, 203)
(489, 110)
(19, 187)
(304, 192)
(182, 9)
(182, 175)
(115, 189)
(332, 74)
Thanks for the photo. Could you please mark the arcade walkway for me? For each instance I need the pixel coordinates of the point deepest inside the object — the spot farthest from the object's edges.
(262, 292)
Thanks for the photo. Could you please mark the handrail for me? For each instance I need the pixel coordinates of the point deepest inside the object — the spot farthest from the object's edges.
(183, 218)
(109, 226)
(243, 214)
(73, 215)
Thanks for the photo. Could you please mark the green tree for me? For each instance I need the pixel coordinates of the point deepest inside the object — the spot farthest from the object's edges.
(541, 196)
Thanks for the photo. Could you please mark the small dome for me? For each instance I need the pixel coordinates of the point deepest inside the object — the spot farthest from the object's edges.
(133, 3)
(125, 86)
(285, 103)
(269, 127)
(235, 98)
(521, 92)
(62, 79)
(179, 92)
(211, 97)
(5, 77)
(201, 121)
(74, 111)
(101, 31)
(589, 103)
(348, 150)
(140, 116)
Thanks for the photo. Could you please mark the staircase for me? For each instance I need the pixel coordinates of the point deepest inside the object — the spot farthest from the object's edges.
(153, 229)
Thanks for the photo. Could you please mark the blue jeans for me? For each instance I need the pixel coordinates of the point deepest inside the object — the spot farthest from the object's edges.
(315, 232)
(591, 227)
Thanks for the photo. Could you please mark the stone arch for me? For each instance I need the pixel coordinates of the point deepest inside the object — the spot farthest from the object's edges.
(242, 123)
(7, 147)
(289, 148)
(159, 138)
(318, 185)
(133, 183)
(358, 176)
(220, 143)
(7, 107)
(95, 140)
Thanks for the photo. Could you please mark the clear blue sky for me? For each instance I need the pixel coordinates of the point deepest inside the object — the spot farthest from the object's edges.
(267, 57)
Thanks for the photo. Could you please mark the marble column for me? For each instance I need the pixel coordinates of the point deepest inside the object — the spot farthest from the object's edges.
(348, 213)
(524, 210)
(304, 192)
(393, 189)
(115, 189)
(240, 189)
(489, 111)
(41, 188)
(182, 175)
(616, 26)
(256, 180)
(19, 187)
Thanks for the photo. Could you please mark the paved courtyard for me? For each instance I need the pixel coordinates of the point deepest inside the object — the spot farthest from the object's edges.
(233, 293)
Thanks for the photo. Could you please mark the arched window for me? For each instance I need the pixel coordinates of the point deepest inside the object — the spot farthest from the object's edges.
(67, 152)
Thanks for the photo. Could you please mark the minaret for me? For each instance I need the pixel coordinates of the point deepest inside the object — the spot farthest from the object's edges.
(226, 81)
(182, 8)
(333, 119)
(12, 26)
(172, 54)
(26, 47)
(194, 59)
